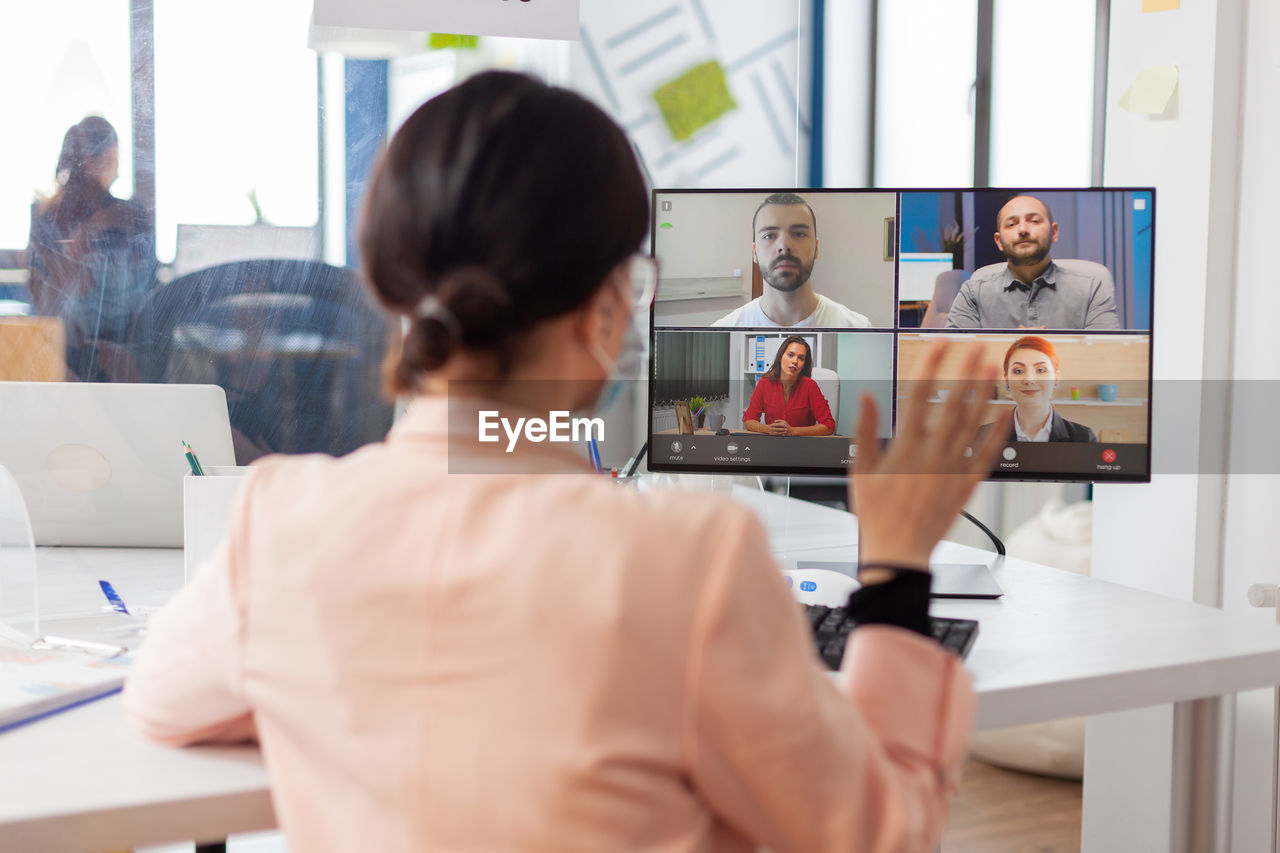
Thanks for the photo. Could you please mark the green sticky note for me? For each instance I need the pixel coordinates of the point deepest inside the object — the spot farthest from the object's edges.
(694, 100)
(441, 41)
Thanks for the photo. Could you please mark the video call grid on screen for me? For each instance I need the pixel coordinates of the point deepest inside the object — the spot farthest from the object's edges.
(866, 278)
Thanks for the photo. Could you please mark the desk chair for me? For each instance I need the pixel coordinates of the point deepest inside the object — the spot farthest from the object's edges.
(829, 384)
(945, 288)
(296, 344)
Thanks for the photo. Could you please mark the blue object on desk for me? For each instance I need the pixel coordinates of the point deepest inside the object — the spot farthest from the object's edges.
(117, 603)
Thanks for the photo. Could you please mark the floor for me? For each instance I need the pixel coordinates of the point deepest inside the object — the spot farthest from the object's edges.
(1001, 811)
(995, 811)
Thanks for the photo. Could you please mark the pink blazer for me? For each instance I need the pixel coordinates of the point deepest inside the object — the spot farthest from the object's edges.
(539, 662)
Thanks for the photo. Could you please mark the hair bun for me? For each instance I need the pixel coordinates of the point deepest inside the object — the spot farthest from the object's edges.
(476, 301)
(468, 307)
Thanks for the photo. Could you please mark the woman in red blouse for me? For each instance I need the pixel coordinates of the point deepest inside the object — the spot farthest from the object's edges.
(786, 400)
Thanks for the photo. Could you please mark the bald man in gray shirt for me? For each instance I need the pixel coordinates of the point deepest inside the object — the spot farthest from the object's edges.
(1031, 291)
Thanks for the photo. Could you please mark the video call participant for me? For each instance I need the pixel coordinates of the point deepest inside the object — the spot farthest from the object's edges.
(786, 400)
(785, 247)
(1031, 373)
(543, 661)
(1031, 292)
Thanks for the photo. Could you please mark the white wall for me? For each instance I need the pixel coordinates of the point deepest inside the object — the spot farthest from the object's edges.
(865, 364)
(1172, 536)
(851, 268)
(1254, 499)
(710, 235)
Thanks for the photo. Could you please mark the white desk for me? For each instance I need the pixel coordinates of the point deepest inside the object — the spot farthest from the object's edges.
(1056, 645)
(81, 780)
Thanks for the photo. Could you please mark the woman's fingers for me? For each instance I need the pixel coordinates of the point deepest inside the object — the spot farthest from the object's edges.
(950, 432)
(986, 451)
(974, 402)
(902, 519)
(868, 457)
(912, 423)
(936, 448)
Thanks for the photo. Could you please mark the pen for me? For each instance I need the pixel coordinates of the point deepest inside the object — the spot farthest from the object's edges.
(100, 649)
(634, 462)
(196, 469)
(117, 603)
(594, 451)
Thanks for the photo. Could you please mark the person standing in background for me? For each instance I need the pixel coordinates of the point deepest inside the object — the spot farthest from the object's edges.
(91, 256)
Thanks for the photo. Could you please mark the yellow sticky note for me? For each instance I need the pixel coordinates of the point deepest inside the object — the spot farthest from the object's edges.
(695, 99)
(442, 41)
(1151, 91)
(1160, 5)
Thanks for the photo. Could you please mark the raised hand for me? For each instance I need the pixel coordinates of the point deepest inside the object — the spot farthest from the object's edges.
(908, 495)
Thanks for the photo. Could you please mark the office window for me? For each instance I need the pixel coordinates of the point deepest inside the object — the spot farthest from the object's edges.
(846, 93)
(925, 67)
(60, 62)
(1042, 93)
(236, 117)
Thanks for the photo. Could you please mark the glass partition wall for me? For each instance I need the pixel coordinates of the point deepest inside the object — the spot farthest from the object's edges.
(181, 201)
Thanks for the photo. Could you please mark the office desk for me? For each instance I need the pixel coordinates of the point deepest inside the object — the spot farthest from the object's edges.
(81, 780)
(1056, 645)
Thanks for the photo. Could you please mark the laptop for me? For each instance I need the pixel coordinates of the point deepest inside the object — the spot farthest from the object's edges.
(103, 463)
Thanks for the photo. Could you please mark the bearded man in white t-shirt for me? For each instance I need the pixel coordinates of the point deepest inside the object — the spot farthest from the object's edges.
(785, 247)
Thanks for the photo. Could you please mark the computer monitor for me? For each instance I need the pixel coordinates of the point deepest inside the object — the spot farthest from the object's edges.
(918, 274)
(777, 310)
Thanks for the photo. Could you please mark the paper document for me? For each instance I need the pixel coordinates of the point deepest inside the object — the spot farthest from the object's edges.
(35, 683)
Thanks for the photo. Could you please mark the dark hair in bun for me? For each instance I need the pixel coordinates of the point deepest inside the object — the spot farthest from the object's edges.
(498, 204)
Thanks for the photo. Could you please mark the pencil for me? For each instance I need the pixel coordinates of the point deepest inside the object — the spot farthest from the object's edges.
(196, 469)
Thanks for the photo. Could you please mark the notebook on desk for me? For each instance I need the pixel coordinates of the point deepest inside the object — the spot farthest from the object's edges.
(37, 682)
(102, 463)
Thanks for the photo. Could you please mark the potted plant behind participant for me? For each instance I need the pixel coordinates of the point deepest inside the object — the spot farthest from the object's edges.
(698, 409)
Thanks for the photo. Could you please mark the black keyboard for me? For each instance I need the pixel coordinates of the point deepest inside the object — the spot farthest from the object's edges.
(831, 627)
